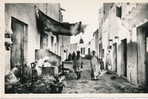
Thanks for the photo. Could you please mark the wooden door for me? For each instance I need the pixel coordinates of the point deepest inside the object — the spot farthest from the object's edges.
(17, 50)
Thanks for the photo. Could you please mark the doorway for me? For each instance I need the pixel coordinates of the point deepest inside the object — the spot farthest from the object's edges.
(115, 57)
(142, 40)
(44, 41)
(89, 51)
(146, 56)
(124, 57)
(19, 40)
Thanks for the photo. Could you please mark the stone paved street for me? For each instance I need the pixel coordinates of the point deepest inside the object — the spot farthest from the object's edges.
(108, 83)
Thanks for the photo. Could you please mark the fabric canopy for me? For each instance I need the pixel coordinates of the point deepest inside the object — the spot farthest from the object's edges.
(47, 24)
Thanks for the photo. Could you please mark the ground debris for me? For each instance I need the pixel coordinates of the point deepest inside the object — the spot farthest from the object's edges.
(113, 77)
(84, 81)
(70, 76)
(109, 73)
(45, 84)
(104, 85)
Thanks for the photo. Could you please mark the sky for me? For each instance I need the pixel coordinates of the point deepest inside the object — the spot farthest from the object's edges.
(81, 10)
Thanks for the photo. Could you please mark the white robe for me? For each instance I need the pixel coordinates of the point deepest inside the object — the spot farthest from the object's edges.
(95, 66)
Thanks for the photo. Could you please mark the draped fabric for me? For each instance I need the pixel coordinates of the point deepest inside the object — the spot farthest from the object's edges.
(47, 24)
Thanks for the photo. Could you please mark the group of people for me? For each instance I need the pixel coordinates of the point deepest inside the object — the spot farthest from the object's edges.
(71, 56)
(96, 64)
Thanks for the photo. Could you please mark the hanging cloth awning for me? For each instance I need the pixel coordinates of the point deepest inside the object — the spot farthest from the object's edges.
(47, 24)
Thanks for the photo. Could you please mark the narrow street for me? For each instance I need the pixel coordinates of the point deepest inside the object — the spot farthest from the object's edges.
(104, 85)
(63, 47)
(107, 83)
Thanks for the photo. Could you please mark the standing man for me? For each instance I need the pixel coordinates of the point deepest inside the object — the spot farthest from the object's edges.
(73, 55)
(108, 61)
(95, 66)
(101, 64)
(77, 64)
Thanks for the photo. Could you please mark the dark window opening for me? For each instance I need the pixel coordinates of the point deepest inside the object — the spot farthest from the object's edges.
(52, 40)
(82, 50)
(118, 12)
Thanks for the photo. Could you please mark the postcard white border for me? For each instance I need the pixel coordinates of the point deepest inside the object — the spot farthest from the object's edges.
(65, 96)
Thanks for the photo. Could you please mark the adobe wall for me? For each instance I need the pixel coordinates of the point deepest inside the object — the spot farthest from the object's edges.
(25, 12)
(126, 28)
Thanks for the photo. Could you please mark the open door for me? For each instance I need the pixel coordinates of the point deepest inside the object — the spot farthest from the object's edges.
(124, 57)
(115, 57)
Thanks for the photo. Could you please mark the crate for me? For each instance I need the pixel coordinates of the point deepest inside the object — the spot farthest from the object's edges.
(48, 71)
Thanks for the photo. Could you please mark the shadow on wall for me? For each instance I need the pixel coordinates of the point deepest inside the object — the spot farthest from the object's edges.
(132, 60)
(129, 66)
